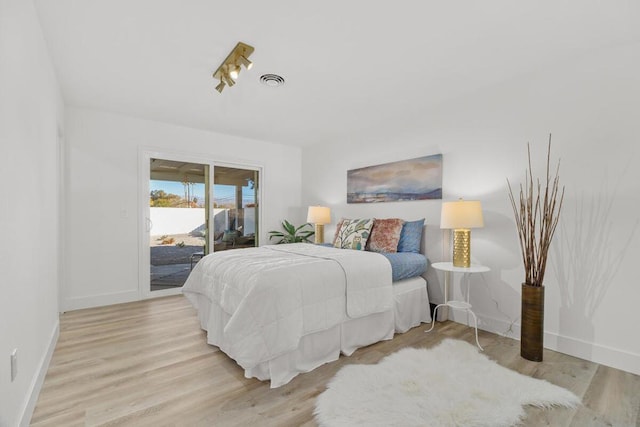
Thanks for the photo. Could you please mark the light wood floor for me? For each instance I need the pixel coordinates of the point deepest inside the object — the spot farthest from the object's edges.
(147, 364)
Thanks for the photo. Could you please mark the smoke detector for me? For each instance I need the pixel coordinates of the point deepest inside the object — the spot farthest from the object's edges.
(272, 80)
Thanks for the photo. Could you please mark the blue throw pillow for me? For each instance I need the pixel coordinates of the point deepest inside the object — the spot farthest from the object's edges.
(410, 236)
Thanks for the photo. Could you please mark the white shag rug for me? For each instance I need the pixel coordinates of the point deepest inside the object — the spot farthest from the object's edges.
(452, 384)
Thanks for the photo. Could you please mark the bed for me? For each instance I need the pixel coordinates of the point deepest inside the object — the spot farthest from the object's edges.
(282, 310)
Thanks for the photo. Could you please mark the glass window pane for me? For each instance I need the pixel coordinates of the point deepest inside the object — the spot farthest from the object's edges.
(235, 208)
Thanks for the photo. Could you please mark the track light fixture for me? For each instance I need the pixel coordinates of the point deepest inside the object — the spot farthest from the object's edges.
(229, 70)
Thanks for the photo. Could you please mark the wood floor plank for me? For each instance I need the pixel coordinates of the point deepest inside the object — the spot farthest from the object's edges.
(613, 399)
(147, 363)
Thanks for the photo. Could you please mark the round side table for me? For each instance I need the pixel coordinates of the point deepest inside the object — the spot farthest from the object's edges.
(449, 269)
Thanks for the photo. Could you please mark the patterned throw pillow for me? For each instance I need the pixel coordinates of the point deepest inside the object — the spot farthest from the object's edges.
(411, 236)
(353, 234)
(335, 235)
(385, 235)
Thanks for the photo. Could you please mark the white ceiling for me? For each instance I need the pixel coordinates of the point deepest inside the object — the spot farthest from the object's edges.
(351, 67)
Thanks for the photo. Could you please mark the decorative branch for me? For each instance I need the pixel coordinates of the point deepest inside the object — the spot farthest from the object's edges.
(537, 213)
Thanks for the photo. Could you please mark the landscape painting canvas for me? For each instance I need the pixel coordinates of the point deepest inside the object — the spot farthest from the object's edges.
(415, 179)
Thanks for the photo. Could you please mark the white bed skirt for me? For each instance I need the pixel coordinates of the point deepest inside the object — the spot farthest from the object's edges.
(410, 309)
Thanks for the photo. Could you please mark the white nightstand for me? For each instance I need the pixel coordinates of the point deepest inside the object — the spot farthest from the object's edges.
(449, 270)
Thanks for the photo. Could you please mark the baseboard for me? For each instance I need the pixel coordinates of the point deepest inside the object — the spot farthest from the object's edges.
(77, 303)
(602, 354)
(597, 353)
(38, 380)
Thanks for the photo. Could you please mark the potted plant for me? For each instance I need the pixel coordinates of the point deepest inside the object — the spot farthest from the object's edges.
(536, 212)
(292, 234)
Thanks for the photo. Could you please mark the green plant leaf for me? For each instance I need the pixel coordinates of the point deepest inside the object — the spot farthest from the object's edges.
(303, 226)
(289, 228)
(292, 234)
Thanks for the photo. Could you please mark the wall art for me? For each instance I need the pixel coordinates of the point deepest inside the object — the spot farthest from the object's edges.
(414, 179)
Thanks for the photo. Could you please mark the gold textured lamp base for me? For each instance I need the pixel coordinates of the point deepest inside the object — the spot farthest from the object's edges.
(462, 247)
(319, 233)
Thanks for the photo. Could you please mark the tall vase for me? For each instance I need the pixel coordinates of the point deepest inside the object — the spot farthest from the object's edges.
(532, 329)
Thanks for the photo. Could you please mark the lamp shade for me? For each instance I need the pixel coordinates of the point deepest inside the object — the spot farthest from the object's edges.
(319, 215)
(461, 214)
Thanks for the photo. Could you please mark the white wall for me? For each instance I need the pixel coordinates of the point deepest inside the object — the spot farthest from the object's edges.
(185, 220)
(175, 220)
(102, 194)
(590, 104)
(30, 117)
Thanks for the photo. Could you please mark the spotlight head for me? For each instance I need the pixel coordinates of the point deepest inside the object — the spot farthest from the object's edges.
(228, 79)
(220, 87)
(244, 61)
(234, 71)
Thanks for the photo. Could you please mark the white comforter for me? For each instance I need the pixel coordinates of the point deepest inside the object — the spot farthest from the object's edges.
(274, 295)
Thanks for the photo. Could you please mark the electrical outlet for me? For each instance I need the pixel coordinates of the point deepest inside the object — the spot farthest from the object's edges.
(14, 364)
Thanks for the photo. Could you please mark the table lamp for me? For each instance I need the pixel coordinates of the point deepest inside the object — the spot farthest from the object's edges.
(461, 216)
(319, 215)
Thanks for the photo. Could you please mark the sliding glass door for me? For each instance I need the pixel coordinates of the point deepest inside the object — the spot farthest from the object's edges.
(189, 209)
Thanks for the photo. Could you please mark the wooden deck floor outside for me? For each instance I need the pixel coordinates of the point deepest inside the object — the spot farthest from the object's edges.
(147, 364)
